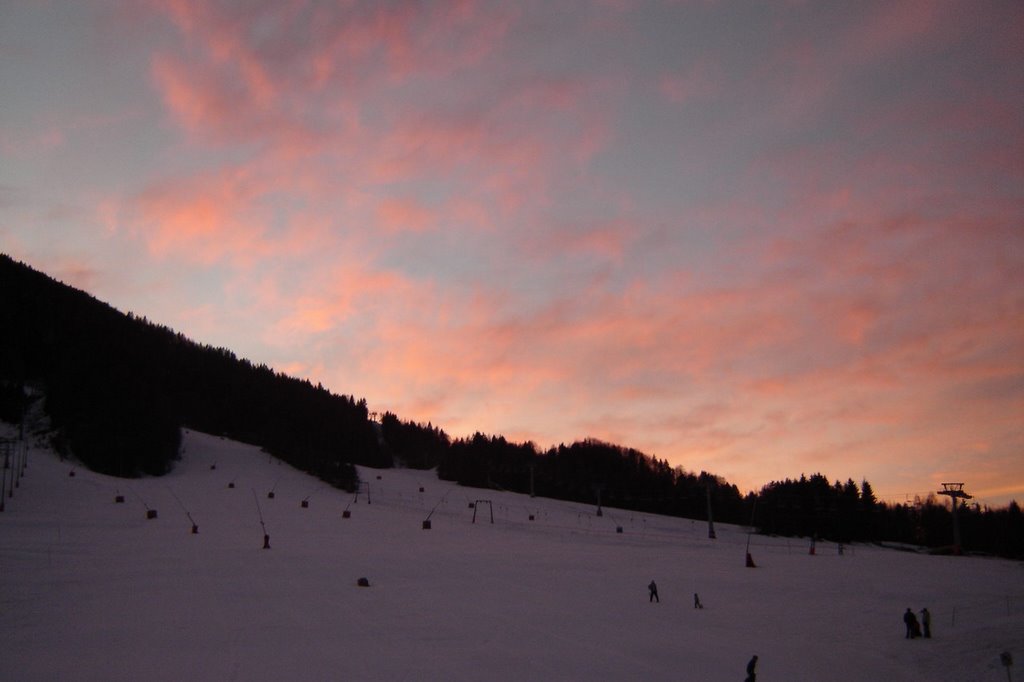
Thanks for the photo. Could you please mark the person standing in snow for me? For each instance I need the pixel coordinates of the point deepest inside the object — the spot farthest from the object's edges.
(654, 592)
(926, 622)
(751, 674)
(910, 620)
(696, 601)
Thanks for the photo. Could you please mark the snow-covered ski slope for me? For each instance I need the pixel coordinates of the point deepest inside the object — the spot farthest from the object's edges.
(93, 590)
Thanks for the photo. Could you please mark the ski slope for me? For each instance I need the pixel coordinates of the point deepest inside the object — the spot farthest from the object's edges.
(93, 590)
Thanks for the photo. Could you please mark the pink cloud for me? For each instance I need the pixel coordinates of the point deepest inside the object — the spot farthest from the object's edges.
(197, 220)
(309, 316)
(404, 215)
(436, 39)
(269, 77)
(195, 105)
(605, 240)
(308, 93)
(224, 216)
(511, 166)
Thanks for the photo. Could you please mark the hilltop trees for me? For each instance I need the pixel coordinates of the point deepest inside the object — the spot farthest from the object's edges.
(814, 508)
(583, 471)
(488, 462)
(811, 507)
(417, 446)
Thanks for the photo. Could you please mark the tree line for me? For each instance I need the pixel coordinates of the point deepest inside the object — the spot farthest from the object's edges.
(846, 512)
(593, 472)
(119, 389)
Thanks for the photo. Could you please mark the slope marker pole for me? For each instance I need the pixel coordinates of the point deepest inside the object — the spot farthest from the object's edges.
(266, 537)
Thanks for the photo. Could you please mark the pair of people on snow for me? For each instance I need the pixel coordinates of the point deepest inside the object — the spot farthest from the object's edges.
(914, 627)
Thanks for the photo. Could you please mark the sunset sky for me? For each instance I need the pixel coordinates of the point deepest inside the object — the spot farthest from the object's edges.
(758, 239)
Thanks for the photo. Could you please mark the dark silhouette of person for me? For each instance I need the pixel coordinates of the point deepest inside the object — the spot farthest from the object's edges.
(751, 673)
(654, 592)
(910, 620)
(696, 601)
(926, 622)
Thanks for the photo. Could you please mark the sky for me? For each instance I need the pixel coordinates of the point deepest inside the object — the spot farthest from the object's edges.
(757, 239)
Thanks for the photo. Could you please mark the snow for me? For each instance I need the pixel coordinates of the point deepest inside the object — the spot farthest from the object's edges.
(92, 590)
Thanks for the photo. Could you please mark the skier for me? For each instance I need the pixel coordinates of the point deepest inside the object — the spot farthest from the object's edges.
(926, 622)
(910, 620)
(751, 674)
(654, 592)
(696, 601)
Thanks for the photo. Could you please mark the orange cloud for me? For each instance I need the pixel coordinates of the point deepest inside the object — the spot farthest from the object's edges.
(199, 220)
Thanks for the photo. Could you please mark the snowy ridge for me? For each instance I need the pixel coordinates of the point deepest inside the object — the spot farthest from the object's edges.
(93, 590)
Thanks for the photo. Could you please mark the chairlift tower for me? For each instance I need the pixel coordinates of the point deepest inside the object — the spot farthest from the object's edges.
(711, 519)
(955, 491)
(708, 480)
(597, 488)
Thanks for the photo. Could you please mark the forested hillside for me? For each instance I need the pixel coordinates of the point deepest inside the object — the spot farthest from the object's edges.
(118, 388)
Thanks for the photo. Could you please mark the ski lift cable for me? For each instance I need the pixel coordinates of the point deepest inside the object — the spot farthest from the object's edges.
(136, 494)
(443, 498)
(259, 511)
(181, 504)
